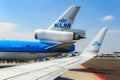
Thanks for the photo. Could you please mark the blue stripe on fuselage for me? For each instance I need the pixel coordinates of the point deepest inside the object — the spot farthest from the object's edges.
(25, 46)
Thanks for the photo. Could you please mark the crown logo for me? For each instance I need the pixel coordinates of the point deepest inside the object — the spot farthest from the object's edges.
(96, 43)
(62, 20)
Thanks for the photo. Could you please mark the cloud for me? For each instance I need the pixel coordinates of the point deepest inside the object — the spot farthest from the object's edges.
(6, 27)
(114, 31)
(24, 36)
(8, 32)
(108, 18)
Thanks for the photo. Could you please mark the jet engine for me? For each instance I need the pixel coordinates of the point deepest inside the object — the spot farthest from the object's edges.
(64, 36)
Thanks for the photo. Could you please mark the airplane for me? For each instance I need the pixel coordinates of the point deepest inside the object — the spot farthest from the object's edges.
(57, 39)
(50, 70)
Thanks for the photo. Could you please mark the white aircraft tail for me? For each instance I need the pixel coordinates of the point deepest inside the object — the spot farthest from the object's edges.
(66, 20)
(94, 46)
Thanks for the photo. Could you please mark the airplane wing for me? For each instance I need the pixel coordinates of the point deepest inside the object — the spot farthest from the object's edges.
(62, 46)
(49, 70)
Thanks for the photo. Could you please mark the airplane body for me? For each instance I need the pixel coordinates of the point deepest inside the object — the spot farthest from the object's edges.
(28, 50)
(59, 38)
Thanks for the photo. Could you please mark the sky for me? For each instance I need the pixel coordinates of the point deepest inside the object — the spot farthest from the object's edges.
(19, 19)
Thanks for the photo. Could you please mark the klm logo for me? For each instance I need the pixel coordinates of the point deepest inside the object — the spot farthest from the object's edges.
(62, 24)
(96, 43)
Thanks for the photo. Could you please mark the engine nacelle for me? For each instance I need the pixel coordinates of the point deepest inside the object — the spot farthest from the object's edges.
(56, 35)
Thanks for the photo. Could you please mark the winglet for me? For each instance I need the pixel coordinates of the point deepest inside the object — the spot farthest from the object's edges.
(94, 46)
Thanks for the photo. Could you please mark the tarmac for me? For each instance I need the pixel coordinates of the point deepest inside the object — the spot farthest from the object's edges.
(78, 73)
(108, 68)
(95, 69)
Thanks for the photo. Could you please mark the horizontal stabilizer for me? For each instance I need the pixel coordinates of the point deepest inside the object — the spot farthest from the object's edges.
(62, 46)
(79, 32)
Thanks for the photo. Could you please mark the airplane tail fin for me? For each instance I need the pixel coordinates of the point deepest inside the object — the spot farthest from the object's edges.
(66, 20)
(94, 46)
